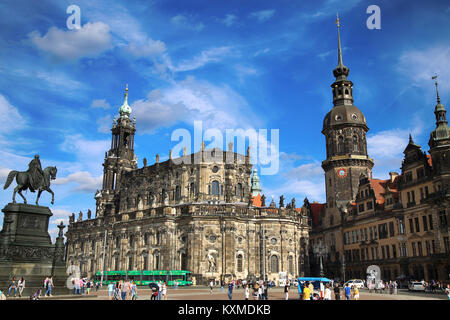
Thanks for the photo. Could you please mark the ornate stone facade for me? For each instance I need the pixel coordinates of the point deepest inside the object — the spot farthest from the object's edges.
(196, 212)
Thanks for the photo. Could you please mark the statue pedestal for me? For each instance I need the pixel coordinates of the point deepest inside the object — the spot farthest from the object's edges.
(26, 249)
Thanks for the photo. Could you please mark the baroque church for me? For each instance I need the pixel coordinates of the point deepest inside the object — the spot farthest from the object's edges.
(201, 212)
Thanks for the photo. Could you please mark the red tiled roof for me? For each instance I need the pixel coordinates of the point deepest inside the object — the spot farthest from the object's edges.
(257, 200)
(380, 187)
(430, 161)
(316, 209)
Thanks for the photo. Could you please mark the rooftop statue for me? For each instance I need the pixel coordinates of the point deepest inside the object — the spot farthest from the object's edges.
(33, 179)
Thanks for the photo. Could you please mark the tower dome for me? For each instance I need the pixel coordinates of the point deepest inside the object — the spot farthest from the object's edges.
(125, 109)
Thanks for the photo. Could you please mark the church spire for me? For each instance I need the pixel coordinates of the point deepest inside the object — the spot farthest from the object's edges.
(439, 110)
(341, 71)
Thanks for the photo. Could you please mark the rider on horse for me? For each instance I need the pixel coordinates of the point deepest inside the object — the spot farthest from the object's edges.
(35, 173)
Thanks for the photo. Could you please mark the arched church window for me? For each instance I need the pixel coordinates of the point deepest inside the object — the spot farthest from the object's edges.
(238, 190)
(291, 264)
(177, 193)
(131, 241)
(340, 92)
(157, 260)
(239, 263)
(192, 188)
(341, 144)
(346, 91)
(274, 264)
(215, 187)
(355, 143)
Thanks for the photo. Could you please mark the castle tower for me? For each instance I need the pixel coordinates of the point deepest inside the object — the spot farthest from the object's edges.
(256, 186)
(440, 147)
(344, 128)
(119, 158)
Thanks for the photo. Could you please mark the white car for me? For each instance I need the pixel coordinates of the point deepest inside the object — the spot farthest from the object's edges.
(416, 286)
(355, 282)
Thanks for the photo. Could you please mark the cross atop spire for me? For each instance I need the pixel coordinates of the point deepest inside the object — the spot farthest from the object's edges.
(437, 89)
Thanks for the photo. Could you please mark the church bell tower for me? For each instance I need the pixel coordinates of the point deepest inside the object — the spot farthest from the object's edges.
(344, 128)
(120, 158)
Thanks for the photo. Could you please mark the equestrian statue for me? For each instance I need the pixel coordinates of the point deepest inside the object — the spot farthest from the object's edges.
(33, 179)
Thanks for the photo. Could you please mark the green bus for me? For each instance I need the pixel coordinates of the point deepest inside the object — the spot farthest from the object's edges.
(145, 277)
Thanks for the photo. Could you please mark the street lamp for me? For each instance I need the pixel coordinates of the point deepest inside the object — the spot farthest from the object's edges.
(320, 250)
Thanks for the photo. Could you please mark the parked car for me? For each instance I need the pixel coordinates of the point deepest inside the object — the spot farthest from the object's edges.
(355, 282)
(416, 286)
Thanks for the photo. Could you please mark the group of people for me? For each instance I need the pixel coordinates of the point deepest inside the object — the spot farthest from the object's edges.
(17, 286)
(82, 286)
(122, 290)
(383, 287)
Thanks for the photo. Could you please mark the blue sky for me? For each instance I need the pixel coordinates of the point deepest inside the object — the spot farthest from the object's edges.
(230, 64)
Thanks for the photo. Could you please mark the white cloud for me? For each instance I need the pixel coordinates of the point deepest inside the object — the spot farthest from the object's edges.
(262, 51)
(149, 48)
(11, 118)
(229, 20)
(183, 21)
(84, 180)
(100, 103)
(88, 41)
(104, 124)
(89, 153)
(420, 65)
(262, 15)
(153, 112)
(206, 56)
(307, 170)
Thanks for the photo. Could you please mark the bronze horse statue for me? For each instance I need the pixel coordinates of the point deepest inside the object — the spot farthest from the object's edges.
(23, 183)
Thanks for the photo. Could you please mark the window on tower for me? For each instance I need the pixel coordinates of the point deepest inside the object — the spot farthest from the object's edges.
(355, 143)
(341, 144)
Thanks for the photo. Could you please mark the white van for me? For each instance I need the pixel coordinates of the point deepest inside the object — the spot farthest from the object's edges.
(355, 282)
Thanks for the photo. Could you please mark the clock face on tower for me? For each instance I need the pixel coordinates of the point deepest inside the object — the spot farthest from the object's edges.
(342, 173)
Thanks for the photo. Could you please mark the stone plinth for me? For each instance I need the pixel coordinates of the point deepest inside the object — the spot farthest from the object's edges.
(26, 249)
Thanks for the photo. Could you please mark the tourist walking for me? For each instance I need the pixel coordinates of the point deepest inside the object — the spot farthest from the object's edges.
(327, 294)
(230, 290)
(21, 286)
(164, 291)
(134, 295)
(88, 287)
(337, 292)
(49, 287)
(347, 292)
(211, 284)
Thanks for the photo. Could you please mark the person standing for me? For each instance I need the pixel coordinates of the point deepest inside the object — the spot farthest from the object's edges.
(230, 290)
(211, 284)
(266, 291)
(159, 290)
(395, 287)
(88, 287)
(355, 293)
(80, 286)
(337, 292)
(286, 290)
(306, 292)
(300, 290)
(110, 290)
(247, 292)
(260, 291)
(12, 285)
(21, 285)
(327, 293)
(347, 292)
(447, 291)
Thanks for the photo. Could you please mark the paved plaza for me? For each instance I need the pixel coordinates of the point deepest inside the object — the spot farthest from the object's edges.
(203, 293)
